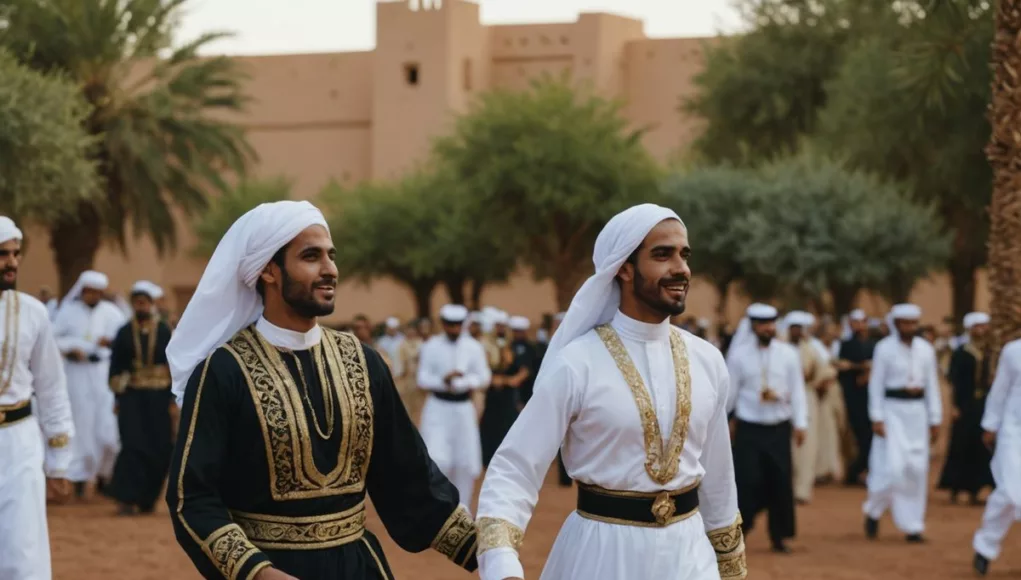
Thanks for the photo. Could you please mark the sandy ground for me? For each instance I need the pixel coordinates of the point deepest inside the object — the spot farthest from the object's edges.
(90, 542)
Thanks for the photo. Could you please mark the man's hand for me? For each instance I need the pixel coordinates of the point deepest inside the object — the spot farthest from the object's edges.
(175, 420)
(844, 365)
(76, 355)
(879, 429)
(933, 433)
(498, 381)
(799, 437)
(955, 413)
(57, 489)
(862, 380)
(104, 342)
(272, 573)
(989, 438)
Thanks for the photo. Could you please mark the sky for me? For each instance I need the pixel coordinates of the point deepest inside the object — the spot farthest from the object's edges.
(302, 26)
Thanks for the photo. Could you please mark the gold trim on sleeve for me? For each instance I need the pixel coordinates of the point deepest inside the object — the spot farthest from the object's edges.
(229, 549)
(661, 462)
(498, 533)
(728, 543)
(455, 533)
(271, 532)
(58, 441)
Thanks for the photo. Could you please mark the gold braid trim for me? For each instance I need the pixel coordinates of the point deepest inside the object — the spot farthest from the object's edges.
(455, 533)
(497, 533)
(58, 441)
(229, 549)
(728, 543)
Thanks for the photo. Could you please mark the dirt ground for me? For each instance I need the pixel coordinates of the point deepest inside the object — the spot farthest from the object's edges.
(90, 542)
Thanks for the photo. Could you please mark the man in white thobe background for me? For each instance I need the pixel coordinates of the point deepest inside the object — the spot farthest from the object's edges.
(638, 410)
(30, 466)
(905, 406)
(451, 367)
(85, 327)
(391, 343)
(1001, 423)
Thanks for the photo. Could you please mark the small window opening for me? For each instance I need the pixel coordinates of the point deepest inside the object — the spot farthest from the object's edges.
(411, 73)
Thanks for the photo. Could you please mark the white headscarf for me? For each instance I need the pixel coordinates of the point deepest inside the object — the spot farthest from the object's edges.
(975, 318)
(8, 230)
(87, 279)
(744, 335)
(225, 300)
(901, 312)
(150, 289)
(599, 297)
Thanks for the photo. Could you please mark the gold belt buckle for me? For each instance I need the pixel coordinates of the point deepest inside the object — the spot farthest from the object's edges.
(663, 508)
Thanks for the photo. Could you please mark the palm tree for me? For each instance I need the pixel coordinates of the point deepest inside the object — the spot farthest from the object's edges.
(161, 114)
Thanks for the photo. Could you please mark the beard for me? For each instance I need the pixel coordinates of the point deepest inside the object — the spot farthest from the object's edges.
(648, 293)
(143, 315)
(302, 298)
(4, 284)
(764, 339)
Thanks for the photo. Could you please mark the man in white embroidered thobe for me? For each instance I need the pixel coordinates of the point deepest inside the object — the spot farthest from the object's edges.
(30, 466)
(85, 327)
(906, 410)
(767, 401)
(1001, 424)
(452, 366)
(390, 343)
(638, 410)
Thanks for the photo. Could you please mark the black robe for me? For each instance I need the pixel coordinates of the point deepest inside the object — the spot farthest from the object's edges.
(254, 480)
(502, 403)
(140, 377)
(854, 384)
(967, 466)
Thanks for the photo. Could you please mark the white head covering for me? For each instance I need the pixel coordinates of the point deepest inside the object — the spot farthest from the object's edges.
(857, 315)
(8, 230)
(87, 279)
(518, 323)
(148, 288)
(499, 318)
(453, 313)
(393, 323)
(225, 300)
(902, 312)
(599, 297)
(744, 335)
(974, 318)
(799, 318)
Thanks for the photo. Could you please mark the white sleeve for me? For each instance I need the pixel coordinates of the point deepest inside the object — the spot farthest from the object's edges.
(799, 403)
(877, 386)
(50, 388)
(996, 401)
(477, 375)
(717, 493)
(933, 392)
(733, 371)
(515, 475)
(427, 378)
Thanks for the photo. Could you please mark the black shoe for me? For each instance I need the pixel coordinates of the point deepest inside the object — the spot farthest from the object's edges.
(915, 539)
(980, 564)
(780, 548)
(871, 528)
(79, 489)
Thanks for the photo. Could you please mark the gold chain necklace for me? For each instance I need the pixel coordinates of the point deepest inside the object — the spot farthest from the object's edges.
(9, 349)
(327, 400)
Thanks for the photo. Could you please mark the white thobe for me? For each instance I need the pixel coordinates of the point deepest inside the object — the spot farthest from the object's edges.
(899, 463)
(1003, 417)
(450, 429)
(777, 367)
(79, 327)
(583, 406)
(392, 346)
(24, 465)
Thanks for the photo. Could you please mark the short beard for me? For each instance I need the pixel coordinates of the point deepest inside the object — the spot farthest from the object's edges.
(301, 299)
(452, 336)
(143, 315)
(652, 300)
(8, 285)
(764, 339)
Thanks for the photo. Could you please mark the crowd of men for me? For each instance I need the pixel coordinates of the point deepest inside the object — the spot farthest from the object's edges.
(94, 390)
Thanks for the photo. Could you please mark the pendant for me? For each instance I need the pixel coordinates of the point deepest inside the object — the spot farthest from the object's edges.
(663, 508)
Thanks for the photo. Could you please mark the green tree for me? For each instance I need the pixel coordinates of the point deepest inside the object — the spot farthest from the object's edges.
(226, 208)
(551, 165)
(44, 168)
(159, 111)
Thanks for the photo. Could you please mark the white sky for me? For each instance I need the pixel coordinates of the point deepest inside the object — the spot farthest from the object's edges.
(298, 26)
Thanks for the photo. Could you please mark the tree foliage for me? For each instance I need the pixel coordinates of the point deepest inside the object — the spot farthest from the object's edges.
(228, 207)
(551, 165)
(44, 168)
(159, 111)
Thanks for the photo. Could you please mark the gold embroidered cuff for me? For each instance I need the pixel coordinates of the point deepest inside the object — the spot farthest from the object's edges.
(457, 539)
(58, 441)
(229, 549)
(498, 533)
(271, 532)
(728, 543)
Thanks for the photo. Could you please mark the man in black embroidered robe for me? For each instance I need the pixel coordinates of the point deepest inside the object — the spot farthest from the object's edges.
(287, 426)
(140, 378)
(968, 463)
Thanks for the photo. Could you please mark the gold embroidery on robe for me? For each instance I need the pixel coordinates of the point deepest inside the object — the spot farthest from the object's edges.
(457, 532)
(229, 549)
(271, 532)
(661, 462)
(58, 441)
(498, 533)
(728, 543)
(279, 405)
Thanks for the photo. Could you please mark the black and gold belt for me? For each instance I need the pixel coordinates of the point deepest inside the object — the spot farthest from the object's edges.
(273, 532)
(632, 508)
(453, 397)
(11, 414)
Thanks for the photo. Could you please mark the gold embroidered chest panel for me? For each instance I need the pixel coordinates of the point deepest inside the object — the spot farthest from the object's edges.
(293, 473)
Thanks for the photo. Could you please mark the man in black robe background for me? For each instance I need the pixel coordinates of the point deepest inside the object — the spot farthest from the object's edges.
(146, 413)
(854, 366)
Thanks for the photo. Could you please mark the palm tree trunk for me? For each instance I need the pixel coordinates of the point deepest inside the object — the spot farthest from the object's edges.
(843, 298)
(477, 287)
(1004, 153)
(422, 290)
(455, 288)
(75, 243)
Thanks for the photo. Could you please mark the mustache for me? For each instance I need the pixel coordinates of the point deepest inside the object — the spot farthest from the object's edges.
(674, 280)
(8, 269)
(327, 281)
